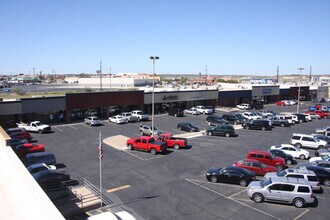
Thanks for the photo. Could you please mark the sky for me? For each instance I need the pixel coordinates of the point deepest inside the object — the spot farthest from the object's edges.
(235, 37)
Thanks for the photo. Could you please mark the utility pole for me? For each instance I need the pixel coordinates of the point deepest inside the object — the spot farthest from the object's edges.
(110, 78)
(310, 73)
(101, 75)
(298, 105)
(277, 73)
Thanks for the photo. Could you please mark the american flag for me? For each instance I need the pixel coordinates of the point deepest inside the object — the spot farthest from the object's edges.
(100, 148)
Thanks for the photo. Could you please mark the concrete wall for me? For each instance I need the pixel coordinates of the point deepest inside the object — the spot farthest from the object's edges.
(43, 104)
(10, 108)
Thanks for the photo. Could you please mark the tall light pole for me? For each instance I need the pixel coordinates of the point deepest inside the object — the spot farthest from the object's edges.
(153, 58)
(298, 104)
(110, 79)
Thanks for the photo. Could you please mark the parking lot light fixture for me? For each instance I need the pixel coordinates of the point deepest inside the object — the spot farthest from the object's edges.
(298, 101)
(153, 58)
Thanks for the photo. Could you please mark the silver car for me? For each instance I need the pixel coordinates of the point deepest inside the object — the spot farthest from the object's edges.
(283, 190)
(92, 120)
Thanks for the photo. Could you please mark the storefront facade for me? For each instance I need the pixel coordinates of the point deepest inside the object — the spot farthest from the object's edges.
(180, 99)
(270, 94)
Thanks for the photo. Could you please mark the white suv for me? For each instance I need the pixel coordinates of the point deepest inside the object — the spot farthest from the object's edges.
(298, 173)
(305, 140)
(282, 189)
(204, 110)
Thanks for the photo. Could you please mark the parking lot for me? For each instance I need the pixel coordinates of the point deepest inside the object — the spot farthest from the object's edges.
(173, 185)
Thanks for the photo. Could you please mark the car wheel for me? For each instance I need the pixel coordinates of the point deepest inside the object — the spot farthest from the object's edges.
(258, 197)
(320, 147)
(300, 121)
(298, 145)
(214, 179)
(263, 128)
(326, 183)
(243, 183)
(302, 157)
(180, 128)
(288, 162)
(247, 127)
(279, 167)
(282, 125)
(299, 202)
(141, 132)
(235, 123)
(227, 135)
(209, 123)
(317, 153)
(209, 133)
(175, 115)
(39, 131)
(153, 151)
(130, 147)
(176, 146)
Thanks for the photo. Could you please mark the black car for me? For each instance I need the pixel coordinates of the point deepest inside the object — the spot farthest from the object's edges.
(186, 126)
(287, 157)
(233, 119)
(301, 118)
(231, 174)
(258, 124)
(177, 112)
(51, 178)
(278, 122)
(215, 120)
(221, 130)
(15, 141)
(321, 173)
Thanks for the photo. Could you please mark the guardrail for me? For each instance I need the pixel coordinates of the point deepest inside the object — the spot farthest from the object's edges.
(96, 191)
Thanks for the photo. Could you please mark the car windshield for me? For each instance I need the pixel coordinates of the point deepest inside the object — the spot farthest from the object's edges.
(325, 157)
(282, 173)
(189, 125)
(38, 123)
(266, 182)
(315, 162)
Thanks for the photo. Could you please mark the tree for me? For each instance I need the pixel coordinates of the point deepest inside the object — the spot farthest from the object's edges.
(221, 80)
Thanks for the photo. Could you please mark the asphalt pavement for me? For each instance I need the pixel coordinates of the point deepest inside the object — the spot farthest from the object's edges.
(173, 185)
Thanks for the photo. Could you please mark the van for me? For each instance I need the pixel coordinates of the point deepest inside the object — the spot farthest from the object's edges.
(41, 157)
(177, 112)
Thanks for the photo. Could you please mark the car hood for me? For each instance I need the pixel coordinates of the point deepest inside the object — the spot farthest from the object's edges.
(255, 185)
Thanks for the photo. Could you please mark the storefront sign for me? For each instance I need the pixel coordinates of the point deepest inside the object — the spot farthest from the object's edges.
(267, 91)
(197, 96)
(170, 97)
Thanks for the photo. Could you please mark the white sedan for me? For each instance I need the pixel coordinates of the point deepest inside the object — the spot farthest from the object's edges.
(192, 111)
(292, 150)
(325, 157)
(118, 119)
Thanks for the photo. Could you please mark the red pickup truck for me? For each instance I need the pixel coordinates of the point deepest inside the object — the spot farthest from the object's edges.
(322, 114)
(171, 141)
(146, 143)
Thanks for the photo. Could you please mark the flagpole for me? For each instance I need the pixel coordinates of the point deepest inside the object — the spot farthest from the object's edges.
(100, 159)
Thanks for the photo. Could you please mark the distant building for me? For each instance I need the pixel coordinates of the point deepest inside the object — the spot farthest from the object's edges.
(250, 80)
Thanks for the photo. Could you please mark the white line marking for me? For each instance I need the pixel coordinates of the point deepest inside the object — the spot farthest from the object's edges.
(133, 155)
(301, 214)
(232, 199)
(58, 129)
(73, 127)
(236, 193)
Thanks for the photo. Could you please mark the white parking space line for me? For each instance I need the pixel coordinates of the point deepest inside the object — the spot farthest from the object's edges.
(128, 152)
(73, 127)
(301, 214)
(58, 128)
(236, 193)
(258, 210)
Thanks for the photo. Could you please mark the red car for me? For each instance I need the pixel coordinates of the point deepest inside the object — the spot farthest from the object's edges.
(280, 103)
(267, 158)
(21, 135)
(23, 149)
(322, 114)
(255, 166)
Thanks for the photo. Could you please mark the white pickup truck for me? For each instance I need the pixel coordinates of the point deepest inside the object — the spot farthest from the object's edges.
(139, 114)
(35, 126)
